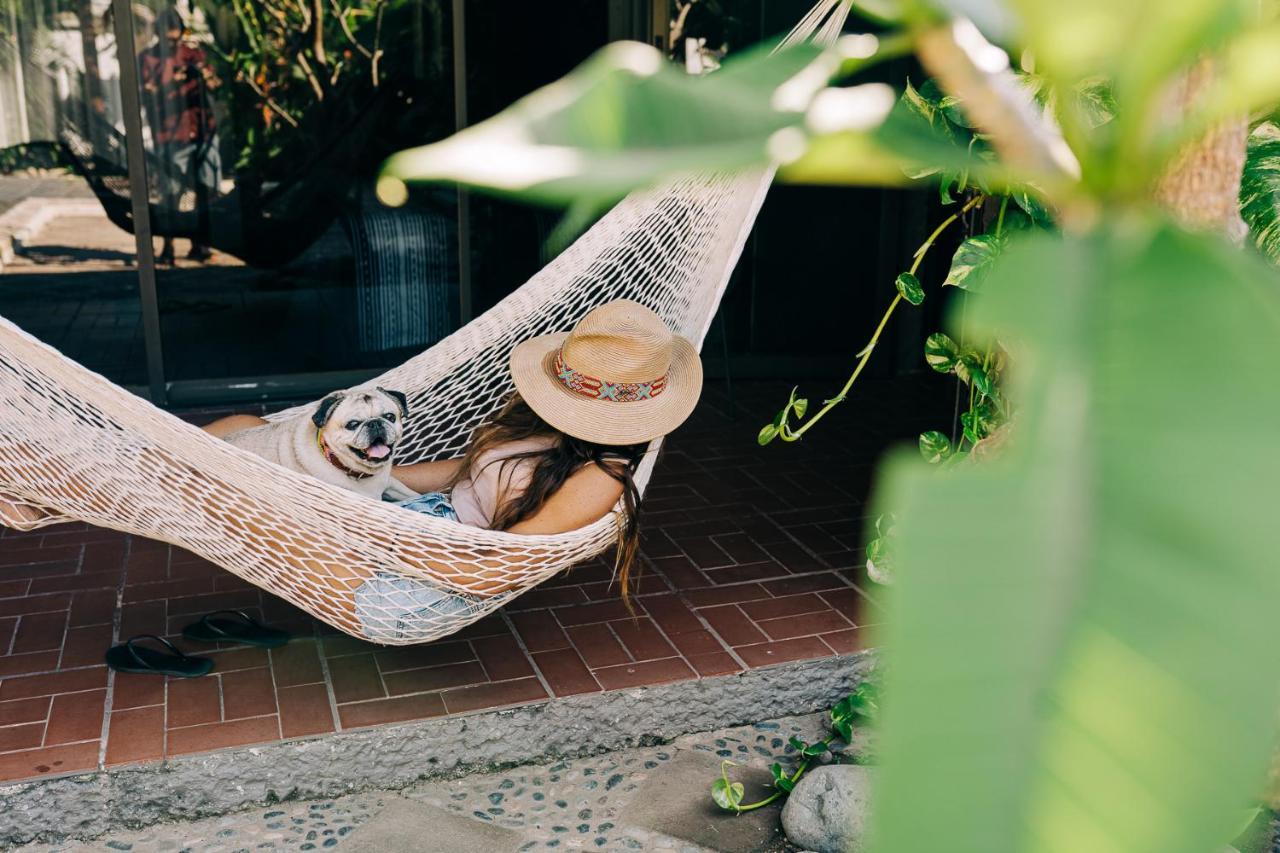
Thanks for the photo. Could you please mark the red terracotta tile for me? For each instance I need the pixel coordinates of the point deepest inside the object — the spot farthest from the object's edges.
(147, 566)
(11, 588)
(416, 657)
(39, 554)
(766, 654)
(697, 643)
(144, 617)
(135, 734)
(103, 556)
(93, 607)
(586, 614)
(133, 690)
(598, 645)
(34, 604)
(849, 603)
(248, 693)
(672, 614)
(791, 605)
(434, 678)
(648, 672)
(195, 606)
(704, 553)
(297, 663)
(26, 736)
(740, 547)
(502, 658)
(381, 711)
(732, 625)
(732, 594)
(549, 596)
(565, 672)
(50, 761)
(167, 589)
(304, 710)
(24, 711)
(682, 573)
(540, 631)
(793, 557)
(71, 583)
(521, 691)
(714, 663)
(340, 645)
(198, 568)
(70, 681)
(61, 568)
(75, 717)
(355, 678)
(805, 583)
(642, 639)
(230, 660)
(40, 632)
(193, 701)
(26, 664)
(490, 626)
(222, 735)
(804, 625)
(845, 642)
(85, 646)
(745, 574)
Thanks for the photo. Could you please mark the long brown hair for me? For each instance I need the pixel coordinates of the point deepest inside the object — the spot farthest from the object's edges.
(552, 467)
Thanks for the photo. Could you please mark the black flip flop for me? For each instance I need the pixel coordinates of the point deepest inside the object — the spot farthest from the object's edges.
(242, 629)
(129, 657)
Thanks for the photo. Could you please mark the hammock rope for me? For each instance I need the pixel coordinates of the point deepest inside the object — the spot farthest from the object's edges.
(75, 446)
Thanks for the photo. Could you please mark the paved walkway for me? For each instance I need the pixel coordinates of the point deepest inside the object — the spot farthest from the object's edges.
(652, 798)
(15, 188)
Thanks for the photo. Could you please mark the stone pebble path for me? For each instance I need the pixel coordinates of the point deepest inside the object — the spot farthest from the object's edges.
(647, 798)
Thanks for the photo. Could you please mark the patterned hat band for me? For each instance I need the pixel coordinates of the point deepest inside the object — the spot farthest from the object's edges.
(602, 389)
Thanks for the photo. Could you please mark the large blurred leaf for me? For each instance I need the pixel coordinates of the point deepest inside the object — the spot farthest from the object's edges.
(1260, 190)
(1081, 645)
(628, 118)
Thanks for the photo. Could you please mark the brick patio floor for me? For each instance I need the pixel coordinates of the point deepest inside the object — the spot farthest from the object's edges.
(752, 557)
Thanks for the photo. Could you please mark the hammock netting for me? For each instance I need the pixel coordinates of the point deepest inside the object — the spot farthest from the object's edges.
(75, 446)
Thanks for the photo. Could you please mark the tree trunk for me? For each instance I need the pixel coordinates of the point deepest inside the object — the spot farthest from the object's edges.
(1202, 186)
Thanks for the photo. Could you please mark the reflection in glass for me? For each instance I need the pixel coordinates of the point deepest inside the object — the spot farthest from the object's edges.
(67, 268)
(265, 124)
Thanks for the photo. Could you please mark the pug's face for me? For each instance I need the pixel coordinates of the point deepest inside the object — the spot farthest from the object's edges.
(362, 428)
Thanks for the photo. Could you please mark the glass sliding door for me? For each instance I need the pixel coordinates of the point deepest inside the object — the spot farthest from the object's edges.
(68, 267)
(264, 126)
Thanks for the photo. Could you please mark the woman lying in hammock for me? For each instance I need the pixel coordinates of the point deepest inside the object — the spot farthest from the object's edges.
(559, 455)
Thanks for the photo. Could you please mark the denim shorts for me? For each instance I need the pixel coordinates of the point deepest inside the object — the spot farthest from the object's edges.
(393, 607)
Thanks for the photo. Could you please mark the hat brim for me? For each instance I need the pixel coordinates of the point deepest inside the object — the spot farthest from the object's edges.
(605, 421)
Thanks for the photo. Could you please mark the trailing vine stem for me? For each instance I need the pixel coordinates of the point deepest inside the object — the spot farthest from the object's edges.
(825, 743)
(784, 430)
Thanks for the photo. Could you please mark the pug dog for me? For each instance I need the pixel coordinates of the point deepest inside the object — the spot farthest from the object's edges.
(349, 441)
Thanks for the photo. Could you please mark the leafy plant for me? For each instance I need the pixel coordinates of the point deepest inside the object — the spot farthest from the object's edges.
(859, 707)
(1078, 647)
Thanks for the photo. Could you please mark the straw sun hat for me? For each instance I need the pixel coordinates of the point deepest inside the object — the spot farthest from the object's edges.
(620, 377)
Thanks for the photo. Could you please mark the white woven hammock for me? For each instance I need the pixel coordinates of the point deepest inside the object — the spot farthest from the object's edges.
(75, 446)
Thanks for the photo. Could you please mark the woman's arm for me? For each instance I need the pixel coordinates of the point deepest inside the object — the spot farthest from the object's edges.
(427, 476)
(587, 496)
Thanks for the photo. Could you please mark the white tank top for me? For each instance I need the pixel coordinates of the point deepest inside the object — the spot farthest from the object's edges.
(495, 479)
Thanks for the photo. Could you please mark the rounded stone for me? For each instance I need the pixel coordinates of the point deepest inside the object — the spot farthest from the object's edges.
(829, 809)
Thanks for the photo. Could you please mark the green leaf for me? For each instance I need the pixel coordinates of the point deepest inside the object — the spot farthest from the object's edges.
(1095, 101)
(814, 749)
(843, 728)
(800, 407)
(796, 743)
(934, 446)
(973, 261)
(909, 287)
(623, 119)
(1117, 691)
(1260, 190)
(726, 794)
(768, 433)
(941, 353)
(781, 780)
